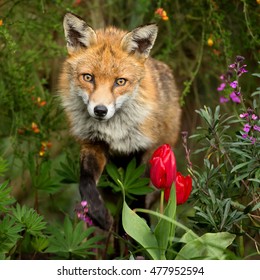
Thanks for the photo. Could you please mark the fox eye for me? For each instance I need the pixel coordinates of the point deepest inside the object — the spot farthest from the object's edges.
(88, 77)
(120, 81)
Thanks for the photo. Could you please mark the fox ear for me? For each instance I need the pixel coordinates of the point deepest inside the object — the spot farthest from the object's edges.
(141, 40)
(77, 33)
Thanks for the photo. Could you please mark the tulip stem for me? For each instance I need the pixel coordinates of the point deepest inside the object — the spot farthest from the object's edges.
(161, 202)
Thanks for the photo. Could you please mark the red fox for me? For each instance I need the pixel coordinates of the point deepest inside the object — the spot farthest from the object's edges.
(118, 100)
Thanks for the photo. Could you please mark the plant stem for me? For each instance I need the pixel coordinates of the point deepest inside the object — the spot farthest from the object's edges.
(241, 243)
(161, 202)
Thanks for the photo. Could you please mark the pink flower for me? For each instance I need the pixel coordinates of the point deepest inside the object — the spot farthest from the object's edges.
(84, 203)
(221, 87)
(234, 97)
(223, 99)
(256, 127)
(247, 127)
(232, 66)
(254, 117)
(234, 84)
(244, 115)
(82, 212)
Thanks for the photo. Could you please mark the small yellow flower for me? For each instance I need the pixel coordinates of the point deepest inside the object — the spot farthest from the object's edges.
(41, 153)
(210, 42)
(258, 2)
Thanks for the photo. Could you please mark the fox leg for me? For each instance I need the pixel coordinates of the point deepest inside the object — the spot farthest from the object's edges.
(92, 162)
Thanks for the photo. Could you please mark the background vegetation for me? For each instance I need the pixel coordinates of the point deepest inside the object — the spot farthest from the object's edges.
(39, 159)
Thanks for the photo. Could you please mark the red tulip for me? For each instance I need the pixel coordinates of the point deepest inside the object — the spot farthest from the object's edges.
(163, 167)
(183, 187)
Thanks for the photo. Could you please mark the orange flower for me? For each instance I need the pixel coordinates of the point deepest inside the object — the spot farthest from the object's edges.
(39, 101)
(162, 13)
(44, 147)
(42, 103)
(35, 128)
(46, 144)
(164, 16)
(1, 22)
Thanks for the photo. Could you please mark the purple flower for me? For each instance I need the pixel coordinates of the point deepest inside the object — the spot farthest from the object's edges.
(221, 87)
(256, 127)
(254, 117)
(232, 66)
(82, 212)
(241, 70)
(223, 99)
(243, 115)
(234, 84)
(234, 97)
(253, 139)
(239, 58)
(247, 127)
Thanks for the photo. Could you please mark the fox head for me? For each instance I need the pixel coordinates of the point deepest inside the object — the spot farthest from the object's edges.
(105, 67)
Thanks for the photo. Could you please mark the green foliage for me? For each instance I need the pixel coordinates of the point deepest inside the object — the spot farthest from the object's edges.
(69, 171)
(130, 178)
(157, 243)
(71, 242)
(5, 198)
(138, 229)
(165, 230)
(41, 176)
(30, 221)
(227, 188)
(208, 246)
(218, 214)
(9, 235)
(3, 166)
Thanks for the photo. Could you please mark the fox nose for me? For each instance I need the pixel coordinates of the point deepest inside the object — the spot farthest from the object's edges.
(100, 111)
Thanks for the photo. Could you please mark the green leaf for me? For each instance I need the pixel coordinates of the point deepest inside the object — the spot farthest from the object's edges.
(132, 174)
(69, 171)
(208, 246)
(5, 197)
(138, 229)
(140, 189)
(9, 234)
(42, 178)
(129, 171)
(241, 165)
(164, 230)
(133, 183)
(257, 206)
(40, 244)
(3, 166)
(73, 240)
(113, 172)
(31, 221)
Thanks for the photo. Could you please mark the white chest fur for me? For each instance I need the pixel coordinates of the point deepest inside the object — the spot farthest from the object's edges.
(122, 132)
